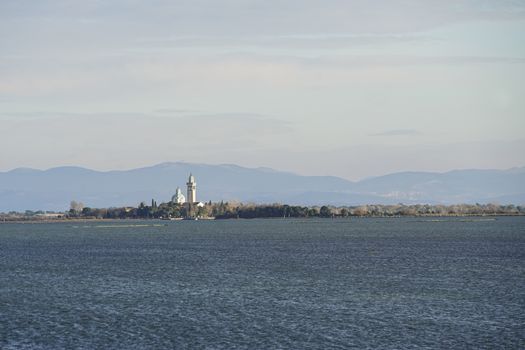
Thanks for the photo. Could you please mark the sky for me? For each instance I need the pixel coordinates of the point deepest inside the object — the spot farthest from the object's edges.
(317, 87)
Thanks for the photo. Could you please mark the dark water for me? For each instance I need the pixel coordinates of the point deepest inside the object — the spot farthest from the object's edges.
(268, 284)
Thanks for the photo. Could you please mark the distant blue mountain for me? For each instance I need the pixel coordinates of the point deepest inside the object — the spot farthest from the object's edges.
(53, 189)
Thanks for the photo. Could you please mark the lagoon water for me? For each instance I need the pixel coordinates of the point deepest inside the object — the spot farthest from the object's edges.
(396, 283)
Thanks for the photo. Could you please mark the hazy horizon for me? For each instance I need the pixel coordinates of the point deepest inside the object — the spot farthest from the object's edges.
(249, 167)
(345, 88)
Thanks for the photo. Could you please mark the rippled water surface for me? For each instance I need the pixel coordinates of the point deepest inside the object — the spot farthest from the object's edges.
(302, 284)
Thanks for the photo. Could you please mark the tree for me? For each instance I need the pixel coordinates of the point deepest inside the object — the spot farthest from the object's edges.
(312, 212)
(143, 211)
(325, 212)
(202, 212)
(361, 211)
(76, 206)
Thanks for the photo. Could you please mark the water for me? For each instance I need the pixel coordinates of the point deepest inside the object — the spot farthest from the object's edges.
(305, 284)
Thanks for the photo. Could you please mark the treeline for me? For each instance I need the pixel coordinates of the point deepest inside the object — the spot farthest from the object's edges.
(268, 211)
(225, 210)
(234, 210)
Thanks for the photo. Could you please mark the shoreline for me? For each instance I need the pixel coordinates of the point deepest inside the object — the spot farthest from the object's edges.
(91, 220)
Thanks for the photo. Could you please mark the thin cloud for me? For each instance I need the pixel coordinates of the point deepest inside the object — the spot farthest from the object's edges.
(398, 132)
(267, 42)
(176, 111)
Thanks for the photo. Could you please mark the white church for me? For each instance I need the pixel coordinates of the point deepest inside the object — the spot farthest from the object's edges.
(179, 198)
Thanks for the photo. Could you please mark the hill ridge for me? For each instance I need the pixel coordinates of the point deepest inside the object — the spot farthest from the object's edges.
(54, 188)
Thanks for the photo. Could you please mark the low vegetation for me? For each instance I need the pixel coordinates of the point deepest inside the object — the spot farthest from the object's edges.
(233, 210)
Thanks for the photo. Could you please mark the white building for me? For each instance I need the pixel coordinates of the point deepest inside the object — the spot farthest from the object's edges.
(191, 199)
(178, 197)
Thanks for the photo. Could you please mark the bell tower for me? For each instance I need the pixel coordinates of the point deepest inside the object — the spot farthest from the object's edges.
(192, 190)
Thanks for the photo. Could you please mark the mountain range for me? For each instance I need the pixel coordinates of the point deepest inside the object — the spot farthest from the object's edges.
(53, 189)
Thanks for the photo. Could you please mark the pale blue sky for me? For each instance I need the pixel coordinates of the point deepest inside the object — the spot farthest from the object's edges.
(347, 88)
